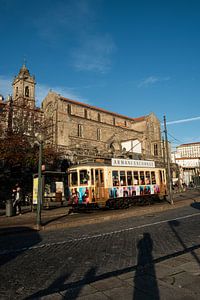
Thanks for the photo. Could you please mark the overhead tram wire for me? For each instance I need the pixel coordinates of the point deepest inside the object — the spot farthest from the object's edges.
(175, 138)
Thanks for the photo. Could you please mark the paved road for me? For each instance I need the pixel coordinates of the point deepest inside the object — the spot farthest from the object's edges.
(34, 266)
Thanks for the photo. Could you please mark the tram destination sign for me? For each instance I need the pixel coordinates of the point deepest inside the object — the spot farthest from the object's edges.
(132, 163)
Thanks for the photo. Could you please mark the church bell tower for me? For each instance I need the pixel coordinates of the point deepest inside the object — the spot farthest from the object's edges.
(24, 88)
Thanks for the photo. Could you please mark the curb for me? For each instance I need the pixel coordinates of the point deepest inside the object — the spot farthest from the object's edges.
(117, 215)
(113, 215)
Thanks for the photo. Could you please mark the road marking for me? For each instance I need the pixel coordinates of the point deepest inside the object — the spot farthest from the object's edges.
(7, 251)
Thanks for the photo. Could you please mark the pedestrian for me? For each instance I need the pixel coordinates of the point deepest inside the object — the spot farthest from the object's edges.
(17, 199)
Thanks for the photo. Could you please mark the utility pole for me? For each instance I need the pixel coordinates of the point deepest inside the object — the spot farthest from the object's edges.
(169, 182)
(163, 148)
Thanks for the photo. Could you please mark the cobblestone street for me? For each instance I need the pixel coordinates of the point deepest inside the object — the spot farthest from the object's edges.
(132, 258)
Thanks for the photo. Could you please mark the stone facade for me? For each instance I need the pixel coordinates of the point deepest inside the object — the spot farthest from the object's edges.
(85, 131)
(24, 88)
(80, 130)
(20, 114)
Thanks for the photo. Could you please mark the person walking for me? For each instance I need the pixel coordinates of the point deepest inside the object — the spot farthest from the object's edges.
(17, 198)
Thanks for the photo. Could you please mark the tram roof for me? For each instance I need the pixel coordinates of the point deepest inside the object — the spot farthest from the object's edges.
(108, 163)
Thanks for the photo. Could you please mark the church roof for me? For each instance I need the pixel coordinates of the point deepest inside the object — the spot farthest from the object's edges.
(24, 71)
(138, 119)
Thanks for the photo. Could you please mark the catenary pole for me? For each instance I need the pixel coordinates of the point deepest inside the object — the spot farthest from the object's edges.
(168, 163)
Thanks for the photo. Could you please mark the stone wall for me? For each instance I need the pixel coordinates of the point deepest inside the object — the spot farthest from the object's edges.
(81, 126)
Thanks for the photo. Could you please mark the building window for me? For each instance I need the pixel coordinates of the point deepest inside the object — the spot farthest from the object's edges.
(26, 91)
(125, 123)
(99, 117)
(113, 120)
(17, 91)
(98, 134)
(80, 130)
(69, 109)
(155, 150)
(86, 113)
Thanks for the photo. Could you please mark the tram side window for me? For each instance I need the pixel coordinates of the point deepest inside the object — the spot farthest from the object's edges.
(136, 178)
(142, 177)
(74, 178)
(153, 177)
(129, 178)
(115, 178)
(122, 178)
(147, 177)
(83, 177)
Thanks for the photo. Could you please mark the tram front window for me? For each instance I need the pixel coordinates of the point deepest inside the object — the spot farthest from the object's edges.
(83, 177)
(101, 177)
(74, 178)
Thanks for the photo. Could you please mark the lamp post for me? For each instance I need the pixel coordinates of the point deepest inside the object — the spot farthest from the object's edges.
(39, 195)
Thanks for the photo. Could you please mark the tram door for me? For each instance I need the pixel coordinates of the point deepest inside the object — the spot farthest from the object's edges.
(99, 185)
(162, 181)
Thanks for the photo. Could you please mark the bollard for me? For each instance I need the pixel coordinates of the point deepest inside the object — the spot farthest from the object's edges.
(9, 208)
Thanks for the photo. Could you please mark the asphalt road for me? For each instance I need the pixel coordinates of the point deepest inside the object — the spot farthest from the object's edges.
(34, 265)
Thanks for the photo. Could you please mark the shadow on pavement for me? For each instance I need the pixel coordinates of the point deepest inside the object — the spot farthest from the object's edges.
(173, 224)
(145, 282)
(196, 205)
(71, 290)
(44, 223)
(59, 286)
(13, 244)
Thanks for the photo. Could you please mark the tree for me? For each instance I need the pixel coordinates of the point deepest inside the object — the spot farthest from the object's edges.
(19, 149)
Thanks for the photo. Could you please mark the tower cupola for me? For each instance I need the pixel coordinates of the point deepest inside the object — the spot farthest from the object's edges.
(24, 88)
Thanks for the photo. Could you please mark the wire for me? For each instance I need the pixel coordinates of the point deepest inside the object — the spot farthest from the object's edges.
(175, 138)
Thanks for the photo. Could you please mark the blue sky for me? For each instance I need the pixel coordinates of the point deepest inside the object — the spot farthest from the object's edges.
(130, 57)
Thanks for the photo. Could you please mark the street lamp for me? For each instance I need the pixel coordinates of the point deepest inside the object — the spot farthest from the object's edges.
(39, 194)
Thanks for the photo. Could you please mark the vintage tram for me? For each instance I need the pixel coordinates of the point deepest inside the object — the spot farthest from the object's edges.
(117, 184)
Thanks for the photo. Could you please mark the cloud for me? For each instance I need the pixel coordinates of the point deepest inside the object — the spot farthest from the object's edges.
(94, 54)
(42, 91)
(65, 17)
(74, 23)
(152, 80)
(183, 120)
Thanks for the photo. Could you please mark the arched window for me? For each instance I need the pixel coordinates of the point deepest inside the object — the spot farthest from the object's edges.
(27, 91)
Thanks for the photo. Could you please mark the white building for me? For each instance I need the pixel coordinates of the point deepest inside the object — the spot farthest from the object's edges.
(187, 156)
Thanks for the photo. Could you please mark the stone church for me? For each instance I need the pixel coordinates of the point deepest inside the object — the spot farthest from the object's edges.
(19, 111)
(77, 130)
(84, 131)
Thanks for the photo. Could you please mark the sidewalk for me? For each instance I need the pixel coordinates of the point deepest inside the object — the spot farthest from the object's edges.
(174, 278)
(60, 217)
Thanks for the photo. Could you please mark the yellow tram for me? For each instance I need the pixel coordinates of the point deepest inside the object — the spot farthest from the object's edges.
(117, 184)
